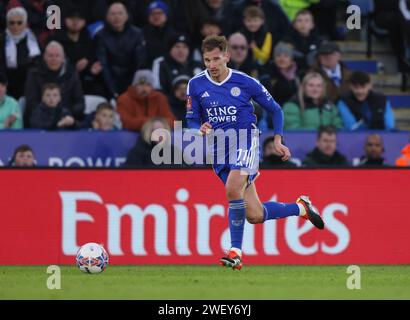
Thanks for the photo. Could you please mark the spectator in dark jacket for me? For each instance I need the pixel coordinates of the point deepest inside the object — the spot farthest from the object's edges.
(374, 149)
(325, 153)
(174, 64)
(305, 40)
(241, 56)
(281, 77)
(120, 49)
(361, 108)
(191, 15)
(179, 98)
(19, 50)
(80, 51)
(158, 32)
(54, 69)
(49, 114)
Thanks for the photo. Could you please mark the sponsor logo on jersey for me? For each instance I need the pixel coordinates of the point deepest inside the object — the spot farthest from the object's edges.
(222, 114)
(205, 95)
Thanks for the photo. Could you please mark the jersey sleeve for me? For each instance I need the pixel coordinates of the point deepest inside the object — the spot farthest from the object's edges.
(261, 96)
(193, 110)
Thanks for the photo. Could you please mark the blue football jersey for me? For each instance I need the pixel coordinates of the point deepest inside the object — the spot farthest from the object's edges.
(227, 104)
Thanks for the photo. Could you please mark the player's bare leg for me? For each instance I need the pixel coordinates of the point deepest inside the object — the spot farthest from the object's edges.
(235, 189)
(254, 207)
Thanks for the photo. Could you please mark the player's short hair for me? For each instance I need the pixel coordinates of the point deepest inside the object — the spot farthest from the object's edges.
(104, 106)
(49, 86)
(330, 130)
(214, 42)
(253, 12)
(359, 78)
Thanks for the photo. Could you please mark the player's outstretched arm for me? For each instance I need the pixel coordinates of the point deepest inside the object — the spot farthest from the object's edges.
(281, 149)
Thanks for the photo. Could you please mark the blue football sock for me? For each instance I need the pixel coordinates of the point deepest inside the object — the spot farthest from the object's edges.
(236, 215)
(277, 210)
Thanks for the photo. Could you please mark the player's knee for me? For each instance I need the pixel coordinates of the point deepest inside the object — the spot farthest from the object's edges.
(253, 215)
(254, 219)
(233, 194)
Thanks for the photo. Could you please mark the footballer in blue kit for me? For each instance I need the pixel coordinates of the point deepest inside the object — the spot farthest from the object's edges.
(219, 104)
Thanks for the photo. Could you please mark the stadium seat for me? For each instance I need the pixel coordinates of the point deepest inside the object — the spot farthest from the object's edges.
(399, 101)
(369, 66)
(91, 103)
(94, 28)
(22, 104)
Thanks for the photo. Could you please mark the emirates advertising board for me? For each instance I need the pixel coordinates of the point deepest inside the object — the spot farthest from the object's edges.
(180, 217)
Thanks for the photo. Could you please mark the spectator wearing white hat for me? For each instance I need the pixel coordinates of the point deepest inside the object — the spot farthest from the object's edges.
(19, 50)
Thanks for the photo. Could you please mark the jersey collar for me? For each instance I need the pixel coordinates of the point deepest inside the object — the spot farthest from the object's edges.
(219, 83)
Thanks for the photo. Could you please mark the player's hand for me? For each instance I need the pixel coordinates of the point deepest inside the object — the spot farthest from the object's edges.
(282, 150)
(205, 128)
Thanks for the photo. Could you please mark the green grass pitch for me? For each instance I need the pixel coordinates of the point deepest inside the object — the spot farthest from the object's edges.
(206, 282)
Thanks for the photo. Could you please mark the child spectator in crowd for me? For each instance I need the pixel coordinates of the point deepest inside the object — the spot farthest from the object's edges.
(23, 156)
(49, 114)
(362, 108)
(10, 116)
(142, 102)
(373, 149)
(311, 109)
(325, 153)
(335, 73)
(305, 40)
(102, 118)
(255, 31)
